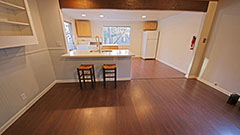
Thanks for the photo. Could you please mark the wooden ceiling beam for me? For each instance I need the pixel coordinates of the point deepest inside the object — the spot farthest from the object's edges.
(186, 5)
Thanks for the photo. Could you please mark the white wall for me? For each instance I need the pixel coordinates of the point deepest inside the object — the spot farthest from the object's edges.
(222, 54)
(176, 33)
(96, 27)
(24, 70)
(53, 29)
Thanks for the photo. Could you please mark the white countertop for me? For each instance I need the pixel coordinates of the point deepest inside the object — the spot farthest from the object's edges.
(87, 54)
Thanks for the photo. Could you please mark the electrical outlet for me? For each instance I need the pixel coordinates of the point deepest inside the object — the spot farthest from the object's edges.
(23, 96)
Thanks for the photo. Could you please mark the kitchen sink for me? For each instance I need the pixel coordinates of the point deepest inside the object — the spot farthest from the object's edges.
(96, 51)
(106, 50)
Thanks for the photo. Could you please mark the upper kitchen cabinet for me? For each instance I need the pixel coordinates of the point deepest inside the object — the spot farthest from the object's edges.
(83, 28)
(150, 26)
(16, 27)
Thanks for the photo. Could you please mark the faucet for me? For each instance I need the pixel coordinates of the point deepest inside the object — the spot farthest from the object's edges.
(98, 43)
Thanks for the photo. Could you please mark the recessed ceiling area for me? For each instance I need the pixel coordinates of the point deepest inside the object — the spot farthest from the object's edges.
(118, 15)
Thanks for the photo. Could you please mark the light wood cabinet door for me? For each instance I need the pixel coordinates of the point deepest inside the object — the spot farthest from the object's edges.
(83, 28)
(150, 25)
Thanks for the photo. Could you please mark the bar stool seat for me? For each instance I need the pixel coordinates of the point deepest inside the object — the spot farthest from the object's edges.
(85, 67)
(109, 66)
(86, 76)
(109, 69)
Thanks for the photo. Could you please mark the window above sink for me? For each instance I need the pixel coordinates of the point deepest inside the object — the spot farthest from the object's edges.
(116, 35)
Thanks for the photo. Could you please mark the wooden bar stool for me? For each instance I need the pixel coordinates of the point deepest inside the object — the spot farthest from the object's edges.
(82, 75)
(109, 69)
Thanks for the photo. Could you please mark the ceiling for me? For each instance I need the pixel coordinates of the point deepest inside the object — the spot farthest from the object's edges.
(118, 15)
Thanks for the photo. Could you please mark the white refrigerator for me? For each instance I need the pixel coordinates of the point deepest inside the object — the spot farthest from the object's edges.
(149, 44)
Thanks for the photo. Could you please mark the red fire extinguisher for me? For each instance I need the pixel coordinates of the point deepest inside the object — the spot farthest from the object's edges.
(193, 43)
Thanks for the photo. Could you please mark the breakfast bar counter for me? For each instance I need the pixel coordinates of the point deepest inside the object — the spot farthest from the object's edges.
(73, 59)
(104, 53)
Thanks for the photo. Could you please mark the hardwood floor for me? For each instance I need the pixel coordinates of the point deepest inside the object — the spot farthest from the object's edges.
(152, 69)
(160, 106)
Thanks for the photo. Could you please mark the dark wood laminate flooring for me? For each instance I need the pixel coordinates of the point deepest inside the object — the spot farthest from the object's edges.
(152, 69)
(160, 106)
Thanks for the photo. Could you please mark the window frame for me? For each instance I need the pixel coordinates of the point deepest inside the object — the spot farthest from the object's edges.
(74, 42)
(116, 44)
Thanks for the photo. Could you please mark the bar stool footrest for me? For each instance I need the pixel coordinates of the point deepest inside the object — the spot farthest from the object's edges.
(85, 74)
(109, 72)
(110, 77)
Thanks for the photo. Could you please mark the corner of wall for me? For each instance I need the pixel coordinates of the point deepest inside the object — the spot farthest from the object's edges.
(25, 108)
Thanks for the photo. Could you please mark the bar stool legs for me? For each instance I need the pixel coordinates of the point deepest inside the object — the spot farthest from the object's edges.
(107, 70)
(93, 74)
(82, 75)
(115, 77)
(104, 78)
(79, 77)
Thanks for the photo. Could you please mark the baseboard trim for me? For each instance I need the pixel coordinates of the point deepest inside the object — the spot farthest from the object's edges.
(170, 65)
(199, 79)
(137, 56)
(73, 80)
(25, 108)
(214, 86)
(66, 81)
(192, 77)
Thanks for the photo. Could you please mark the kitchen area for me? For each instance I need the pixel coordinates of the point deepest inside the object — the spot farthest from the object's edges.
(107, 41)
(106, 36)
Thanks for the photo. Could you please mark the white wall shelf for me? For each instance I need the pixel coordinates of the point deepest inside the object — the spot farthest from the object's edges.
(16, 26)
(10, 5)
